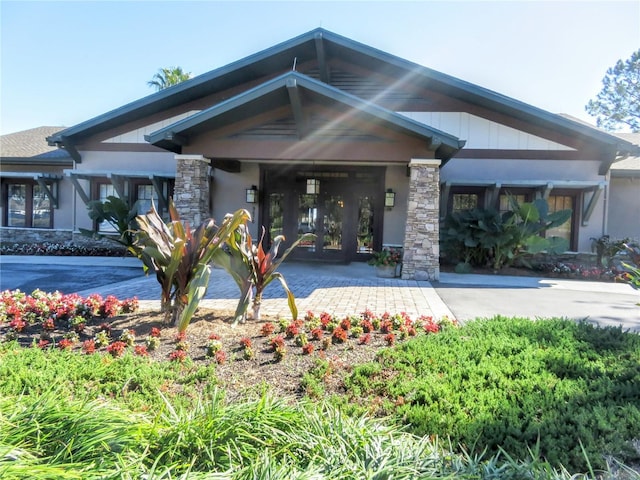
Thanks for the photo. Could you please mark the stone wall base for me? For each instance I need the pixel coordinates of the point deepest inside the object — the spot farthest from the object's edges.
(11, 235)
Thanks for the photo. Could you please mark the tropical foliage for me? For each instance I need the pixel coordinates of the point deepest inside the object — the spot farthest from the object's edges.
(168, 77)
(486, 237)
(253, 269)
(632, 267)
(180, 257)
(389, 257)
(118, 214)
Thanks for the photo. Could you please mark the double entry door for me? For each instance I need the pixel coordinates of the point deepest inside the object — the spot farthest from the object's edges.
(342, 208)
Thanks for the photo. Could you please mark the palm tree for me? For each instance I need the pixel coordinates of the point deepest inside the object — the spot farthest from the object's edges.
(167, 77)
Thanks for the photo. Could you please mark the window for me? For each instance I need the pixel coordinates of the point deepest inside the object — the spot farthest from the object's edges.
(465, 198)
(504, 202)
(137, 192)
(464, 201)
(27, 205)
(106, 190)
(145, 194)
(563, 202)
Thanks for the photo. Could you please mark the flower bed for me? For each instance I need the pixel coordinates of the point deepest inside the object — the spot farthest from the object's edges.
(61, 249)
(277, 351)
(581, 272)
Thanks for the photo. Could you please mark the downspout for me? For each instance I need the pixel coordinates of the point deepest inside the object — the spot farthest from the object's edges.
(605, 203)
(74, 204)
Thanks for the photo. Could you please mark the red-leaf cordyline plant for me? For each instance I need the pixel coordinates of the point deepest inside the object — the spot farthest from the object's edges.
(180, 257)
(253, 269)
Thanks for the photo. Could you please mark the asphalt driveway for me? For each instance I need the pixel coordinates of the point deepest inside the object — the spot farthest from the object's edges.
(607, 304)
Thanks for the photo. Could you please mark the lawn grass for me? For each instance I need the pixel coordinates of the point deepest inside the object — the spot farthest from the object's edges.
(65, 415)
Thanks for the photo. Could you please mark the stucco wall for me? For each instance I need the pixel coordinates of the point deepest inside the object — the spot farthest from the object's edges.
(504, 170)
(156, 162)
(624, 208)
(228, 192)
(62, 216)
(395, 218)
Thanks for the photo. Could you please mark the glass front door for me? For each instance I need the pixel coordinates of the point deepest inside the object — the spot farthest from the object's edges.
(344, 212)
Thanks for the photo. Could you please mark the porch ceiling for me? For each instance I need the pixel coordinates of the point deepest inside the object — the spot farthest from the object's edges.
(298, 93)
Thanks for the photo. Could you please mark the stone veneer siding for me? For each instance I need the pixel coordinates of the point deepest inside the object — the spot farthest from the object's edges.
(421, 258)
(191, 192)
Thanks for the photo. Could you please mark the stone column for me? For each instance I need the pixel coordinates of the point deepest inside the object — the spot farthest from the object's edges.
(421, 239)
(191, 192)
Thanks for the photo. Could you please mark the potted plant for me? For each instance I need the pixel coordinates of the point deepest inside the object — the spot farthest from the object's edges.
(387, 262)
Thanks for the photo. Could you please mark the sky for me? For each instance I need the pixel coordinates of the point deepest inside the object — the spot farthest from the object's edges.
(62, 63)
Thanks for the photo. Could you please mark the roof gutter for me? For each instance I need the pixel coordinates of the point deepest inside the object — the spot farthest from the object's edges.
(63, 142)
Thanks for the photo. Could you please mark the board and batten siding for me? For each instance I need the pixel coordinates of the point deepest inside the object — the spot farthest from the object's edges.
(481, 133)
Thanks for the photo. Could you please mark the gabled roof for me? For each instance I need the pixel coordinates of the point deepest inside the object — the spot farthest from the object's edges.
(320, 45)
(630, 166)
(30, 146)
(297, 90)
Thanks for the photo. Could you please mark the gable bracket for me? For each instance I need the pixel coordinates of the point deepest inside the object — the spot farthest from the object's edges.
(589, 206)
(434, 144)
(83, 195)
(176, 138)
(157, 183)
(493, 192)
(73, 152)
(50, 190)
(296, 106)
(118, 184)
(322, 59)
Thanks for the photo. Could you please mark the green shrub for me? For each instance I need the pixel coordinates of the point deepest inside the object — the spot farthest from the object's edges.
(131, 380)
(510, 383)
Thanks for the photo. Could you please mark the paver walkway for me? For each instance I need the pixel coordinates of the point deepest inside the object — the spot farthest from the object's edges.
(336, 289)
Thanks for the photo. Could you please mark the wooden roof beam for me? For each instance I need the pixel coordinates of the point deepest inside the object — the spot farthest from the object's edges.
(325, 74)
(296, 106)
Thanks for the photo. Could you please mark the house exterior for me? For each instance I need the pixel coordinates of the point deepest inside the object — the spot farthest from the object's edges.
(623, 219)
(334, 137)
(34, 204)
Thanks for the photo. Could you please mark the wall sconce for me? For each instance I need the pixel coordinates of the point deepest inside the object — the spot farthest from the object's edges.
(389, 198)
(252, 194)
(313, 186)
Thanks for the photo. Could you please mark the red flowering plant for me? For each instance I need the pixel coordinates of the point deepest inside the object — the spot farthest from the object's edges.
(388, 257)
(339, 335)
(316, 333)
(267, 329)
(178, 356)
(116, 349)
(89, 346)
(141, 350)
(51, 311)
